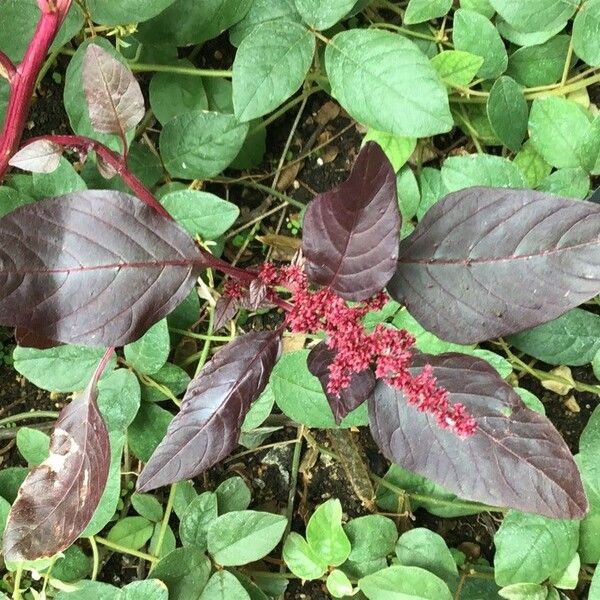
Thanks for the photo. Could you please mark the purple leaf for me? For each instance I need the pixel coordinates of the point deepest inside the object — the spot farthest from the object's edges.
(30, 339)
(58, 498)
(487, 262)
(41, 156)
(351, 233)
(257, 292)
(114, 97)
(225, 310)
(208, 426)
(515, 459)
(361, 384)
(95, 268)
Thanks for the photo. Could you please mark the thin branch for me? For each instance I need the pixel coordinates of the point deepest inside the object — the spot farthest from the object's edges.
(8, 66)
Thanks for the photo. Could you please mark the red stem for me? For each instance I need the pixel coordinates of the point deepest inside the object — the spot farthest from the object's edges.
(23, 80)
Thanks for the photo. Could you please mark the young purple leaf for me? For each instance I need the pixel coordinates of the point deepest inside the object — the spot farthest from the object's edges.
(208, 426)
(113, 95)
(351, 397)
(58, 498)
(488, 262)
(225, 310)
(515, 459)
(351, 233)
(40, 156)
(94, 267)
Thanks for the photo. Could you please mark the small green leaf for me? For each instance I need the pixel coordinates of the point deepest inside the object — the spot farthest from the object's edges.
(201, 213)
(531, 548)
(531, 401)
(233, 494)
(301, 559)
(409, 196)
(473, 33)
(150, 589)
(586, 28)
(224, 586)
(200, 144)
(404, 583)
(261, 408)
(263, 11)
(460, 172)
(535, 15)
(557, 128)
(432, 189)
(524, 591)
(323, 14)
(569, 578)
(11, 199)
(170, 376)
(108, 12)
(456, 67)
(532, 165)
(270, 65)
(131, 532)
(508, 112)
(169, 541)
(595, 586)
(566, 183)
(325, 534)
(4, 510)
(196, 520)
(385, 82)
(33, 445)
(241, 537)
(185, 572)
(147, 506)
(11, 479)
(119, 399)
(481, 6)
(423, 548)
(398, 149)
(150, 352)
(499, 363)
(73, 566)
(338, 584)
(419, 11)
(147, 430)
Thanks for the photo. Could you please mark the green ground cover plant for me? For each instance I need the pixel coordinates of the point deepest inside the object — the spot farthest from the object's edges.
(456, 259)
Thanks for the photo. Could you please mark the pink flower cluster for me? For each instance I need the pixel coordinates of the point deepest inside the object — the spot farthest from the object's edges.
(387, 350)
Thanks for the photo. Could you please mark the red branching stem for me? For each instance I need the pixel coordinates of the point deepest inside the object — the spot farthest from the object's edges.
(24, 78)
(102, 365)
(8, 66)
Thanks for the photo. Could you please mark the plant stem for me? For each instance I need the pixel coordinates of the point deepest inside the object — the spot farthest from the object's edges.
(200, 336)
(165, 520)
(206, 348)
(124, 550)
(40, 414)
(17, 583)
(95, 556)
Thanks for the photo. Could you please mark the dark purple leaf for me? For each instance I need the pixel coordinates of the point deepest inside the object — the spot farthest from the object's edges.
(225, 310)
(58, 498)
(351, 233)
(30, 339)
(114, 97)
(361, 384)
(488, 262)
(95, 268)
(257, 292)
(515, 459)
(208, 426)
(41, 156)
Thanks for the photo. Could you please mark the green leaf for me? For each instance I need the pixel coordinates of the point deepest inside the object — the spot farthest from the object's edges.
(508, 112)
(11, 199)
(460, 172)
(531, 548)
(33, 445)
(4, 510)
(404, 583)
(541, 64)
(201, 213)
(385, 82)
(569, 578)
(196, 520)
(397, 148)
(531, 400)
(533, 38)
(187, 22)
(62, 180)
(108, 12)
(338, 584)
(409, 196)
(301, 559)
(233, 494)
(595, 586)
(325, 534)
(72, 566)
(184, 494)
(18, 20)
(567, 183)
(473, 33)
(457, 68)
(432, 189)
(148, 354)
(242, 537)
(86, 589)
(589, 148)
(586, 29)
(535, 15)
(11, 479)
(423, 548)
(131, 532)
(173, 94)
(481, 6)
(147, 506)
(419, 11)
(185, 572)
(323, 14)
(200, 144)
(300, 396)
(270, 65)
(524, 591)
(224, 586)
(263, 11)
(170, 376)
(499, 363)
(571, 339)
(372, 538)
(119, 399)
(151, 589)
(65, 368)
(532, 165)
(261, 408)
(147, 430)
(596, 365)
(169, 541)
(557, 128)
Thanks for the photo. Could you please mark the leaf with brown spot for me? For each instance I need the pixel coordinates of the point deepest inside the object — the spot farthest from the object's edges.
(40, 156)
(58, 498)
